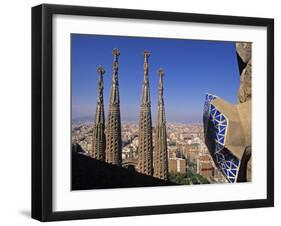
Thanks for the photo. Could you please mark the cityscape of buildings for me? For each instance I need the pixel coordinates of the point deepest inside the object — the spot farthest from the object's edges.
(185, 145)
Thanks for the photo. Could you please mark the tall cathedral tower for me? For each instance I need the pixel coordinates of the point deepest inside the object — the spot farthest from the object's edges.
(161, 155)
(113, 129)
(98, 148)
(145, 163)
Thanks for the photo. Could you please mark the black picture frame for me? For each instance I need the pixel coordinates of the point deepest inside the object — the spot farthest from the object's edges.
(42, 111)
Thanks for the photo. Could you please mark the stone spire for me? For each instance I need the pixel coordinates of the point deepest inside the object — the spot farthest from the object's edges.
(145, 126)
(113, 129)
(161, 155)
(98, 146)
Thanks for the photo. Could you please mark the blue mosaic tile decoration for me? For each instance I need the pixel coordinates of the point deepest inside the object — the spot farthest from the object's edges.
(215, 128)
(208, 99)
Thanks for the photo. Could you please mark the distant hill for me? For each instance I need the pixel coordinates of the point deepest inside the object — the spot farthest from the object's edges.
(88, 173)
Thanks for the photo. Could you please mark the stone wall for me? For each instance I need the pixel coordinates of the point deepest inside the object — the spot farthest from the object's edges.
(244, 57)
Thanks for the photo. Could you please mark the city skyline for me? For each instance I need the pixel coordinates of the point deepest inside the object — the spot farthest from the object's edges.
(186, 151)
(184, 95)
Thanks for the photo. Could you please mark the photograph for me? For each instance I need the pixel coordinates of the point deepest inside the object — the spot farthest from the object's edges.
(141, 112)
(148, 111)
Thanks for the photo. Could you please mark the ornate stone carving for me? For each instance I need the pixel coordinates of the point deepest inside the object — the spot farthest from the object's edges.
(145, 149)
(161, 155)
(113, 129)
(98, 144)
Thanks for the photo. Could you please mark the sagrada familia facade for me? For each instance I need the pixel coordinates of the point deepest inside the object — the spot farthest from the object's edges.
(107, 142)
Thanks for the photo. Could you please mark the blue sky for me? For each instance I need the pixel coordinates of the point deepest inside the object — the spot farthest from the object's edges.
(192, 68)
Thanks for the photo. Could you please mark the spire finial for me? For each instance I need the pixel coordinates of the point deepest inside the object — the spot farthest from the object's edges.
(161, 72)
(115, 52)
(146, 53)
(161, 75)
(145, 65)
(100, 70)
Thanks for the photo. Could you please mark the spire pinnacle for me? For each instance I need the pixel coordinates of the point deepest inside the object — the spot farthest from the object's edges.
(146, 55)
(145, 162)
(145, 65)
(161, 74)
(113, 129)
(161, 155)
(101, 72)
(115, 52)
(98, 143)
(114, 97)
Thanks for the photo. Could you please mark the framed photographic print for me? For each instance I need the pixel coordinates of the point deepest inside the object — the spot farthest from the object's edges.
(146, 112)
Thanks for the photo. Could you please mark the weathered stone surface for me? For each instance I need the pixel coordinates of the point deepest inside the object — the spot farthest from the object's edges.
(244, 57)
(98, 145)
(145, 164)
(245, 88)
(249, 169)
(244, 54)
(113, 130)
(244, 50)
(161, 153)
